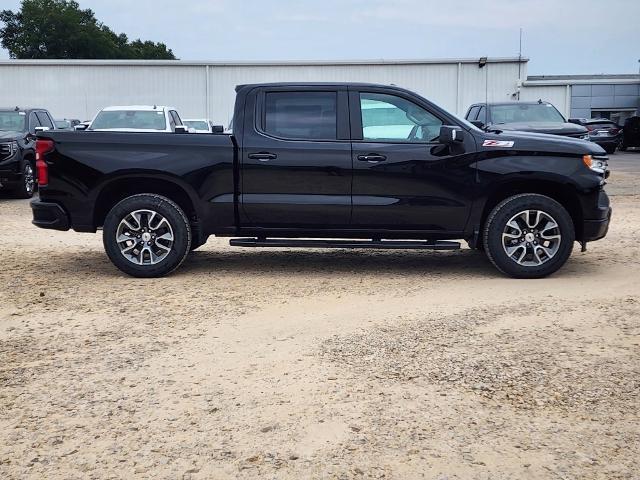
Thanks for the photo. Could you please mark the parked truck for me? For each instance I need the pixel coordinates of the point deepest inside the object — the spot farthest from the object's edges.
(341, 165)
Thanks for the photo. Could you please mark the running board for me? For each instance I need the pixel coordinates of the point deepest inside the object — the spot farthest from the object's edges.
(379, 244)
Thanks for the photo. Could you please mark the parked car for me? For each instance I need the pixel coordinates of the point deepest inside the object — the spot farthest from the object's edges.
(200, 125)
(320, 160)
(137, 118)
(630, 133)
(536, 117)
(17, 147)
(66, 123)
(602, 131)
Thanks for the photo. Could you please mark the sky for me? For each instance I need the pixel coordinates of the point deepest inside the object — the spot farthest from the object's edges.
(560, 36)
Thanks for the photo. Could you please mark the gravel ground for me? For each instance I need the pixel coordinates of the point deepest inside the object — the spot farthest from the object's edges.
(319, 364)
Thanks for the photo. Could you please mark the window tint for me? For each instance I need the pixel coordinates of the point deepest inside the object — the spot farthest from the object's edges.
(33, 122)
(45, 121)
(176, 117)
(172, 121)
(390, 118)
(471, 115)
(301, 115)
(482, 115)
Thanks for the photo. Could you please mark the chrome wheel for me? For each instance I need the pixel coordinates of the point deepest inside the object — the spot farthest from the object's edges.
(531, 238)
(144, 237)
(29, 180)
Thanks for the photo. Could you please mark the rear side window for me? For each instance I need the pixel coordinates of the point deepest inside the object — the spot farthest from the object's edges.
(33, 122)
(301, 115)
(471, 115)
(482, 115)
(45, 121)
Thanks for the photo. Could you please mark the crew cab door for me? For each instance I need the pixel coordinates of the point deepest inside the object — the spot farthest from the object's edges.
(403, 179)
(296, 158)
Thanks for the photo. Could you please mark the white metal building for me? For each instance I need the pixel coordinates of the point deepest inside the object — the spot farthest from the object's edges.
(80, 88)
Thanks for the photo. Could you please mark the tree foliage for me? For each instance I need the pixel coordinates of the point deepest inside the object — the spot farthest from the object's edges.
(44, 29)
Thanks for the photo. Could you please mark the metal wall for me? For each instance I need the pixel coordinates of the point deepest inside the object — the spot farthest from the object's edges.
(78, 89)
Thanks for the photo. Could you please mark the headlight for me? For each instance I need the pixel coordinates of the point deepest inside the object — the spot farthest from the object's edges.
(598, 165)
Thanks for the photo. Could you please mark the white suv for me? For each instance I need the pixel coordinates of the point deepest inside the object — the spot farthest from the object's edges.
(136, 118)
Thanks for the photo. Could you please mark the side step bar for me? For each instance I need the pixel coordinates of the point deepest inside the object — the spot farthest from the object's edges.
(379, 244)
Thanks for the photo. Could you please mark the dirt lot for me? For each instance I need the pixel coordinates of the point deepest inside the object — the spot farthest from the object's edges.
(319, 364)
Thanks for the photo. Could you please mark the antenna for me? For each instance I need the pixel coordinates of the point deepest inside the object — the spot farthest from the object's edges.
(519, 64)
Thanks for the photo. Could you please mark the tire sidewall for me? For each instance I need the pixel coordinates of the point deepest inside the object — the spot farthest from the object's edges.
(512, 206)
(169, 210)
(21, 189)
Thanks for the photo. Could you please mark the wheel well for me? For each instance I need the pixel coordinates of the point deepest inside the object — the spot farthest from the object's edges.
(564, 194)
(121, 189)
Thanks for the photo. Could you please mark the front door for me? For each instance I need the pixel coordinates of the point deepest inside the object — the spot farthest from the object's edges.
(403, 179)
(296, 159)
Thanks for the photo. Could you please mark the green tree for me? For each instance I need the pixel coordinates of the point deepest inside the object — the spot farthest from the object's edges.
(60, 29)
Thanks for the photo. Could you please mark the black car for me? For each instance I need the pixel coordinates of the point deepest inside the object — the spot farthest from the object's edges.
(17, 147)
(631, 133)
(537, 117)
(343, 165)
(602, 131)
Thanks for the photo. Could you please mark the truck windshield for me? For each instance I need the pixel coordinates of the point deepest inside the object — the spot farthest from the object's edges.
(130, 119)
(12, 121)
(523, 112)
(197, 124)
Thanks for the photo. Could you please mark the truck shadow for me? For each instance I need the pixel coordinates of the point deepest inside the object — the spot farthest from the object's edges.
(369, 262)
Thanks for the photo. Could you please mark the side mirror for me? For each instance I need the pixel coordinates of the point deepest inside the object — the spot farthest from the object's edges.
(80, 127)
(450, 134)
(217, 128)
(181, 129)
(478, 123)
(42, 129)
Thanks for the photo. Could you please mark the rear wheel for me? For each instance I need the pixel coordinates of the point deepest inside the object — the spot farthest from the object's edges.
(529, 236)
(146, 235)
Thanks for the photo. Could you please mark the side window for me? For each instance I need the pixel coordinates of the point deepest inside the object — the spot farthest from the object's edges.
(482, 115)
(473, 111)
(176, 117)
(391, 118)
(44, 119)
(301, 115)
(172, 122)
(33, 122)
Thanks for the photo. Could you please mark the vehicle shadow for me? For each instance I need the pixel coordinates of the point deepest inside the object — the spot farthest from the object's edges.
(365, 262)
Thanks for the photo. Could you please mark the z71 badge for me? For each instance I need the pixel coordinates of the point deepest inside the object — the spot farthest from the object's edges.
(497, 143)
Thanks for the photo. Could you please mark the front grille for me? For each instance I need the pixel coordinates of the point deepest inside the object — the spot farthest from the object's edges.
(5, 150)
(584, 135)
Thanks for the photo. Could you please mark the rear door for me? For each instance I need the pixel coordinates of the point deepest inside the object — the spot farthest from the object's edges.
(403, 179)
(296, 158)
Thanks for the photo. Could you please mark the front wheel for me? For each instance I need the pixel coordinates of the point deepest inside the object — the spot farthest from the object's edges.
(27, 185)
(529, 236)
(146, 235)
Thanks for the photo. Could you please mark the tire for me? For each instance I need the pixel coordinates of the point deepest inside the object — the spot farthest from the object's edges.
(537, 248)
(27, 186)
(148, 219)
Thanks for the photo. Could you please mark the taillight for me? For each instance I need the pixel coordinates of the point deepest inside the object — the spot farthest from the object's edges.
(43, 146)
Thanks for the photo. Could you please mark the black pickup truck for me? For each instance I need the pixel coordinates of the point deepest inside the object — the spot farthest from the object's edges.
(331, 166)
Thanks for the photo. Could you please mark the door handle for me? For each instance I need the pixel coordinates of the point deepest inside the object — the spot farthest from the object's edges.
(372, 157)
(262, 156)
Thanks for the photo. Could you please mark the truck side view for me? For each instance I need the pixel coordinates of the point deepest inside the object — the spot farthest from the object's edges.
(327, 165)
